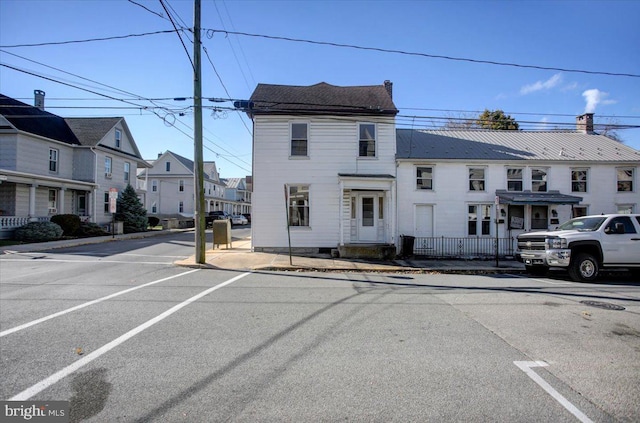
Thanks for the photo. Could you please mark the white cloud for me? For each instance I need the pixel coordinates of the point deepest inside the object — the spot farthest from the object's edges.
(542, 85)
(593, 97)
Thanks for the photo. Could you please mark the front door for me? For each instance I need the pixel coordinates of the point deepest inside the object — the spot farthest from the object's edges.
(367, 218)
(81, 205)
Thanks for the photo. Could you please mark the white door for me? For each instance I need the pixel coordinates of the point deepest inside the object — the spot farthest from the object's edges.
(367, 218)
(424, 221)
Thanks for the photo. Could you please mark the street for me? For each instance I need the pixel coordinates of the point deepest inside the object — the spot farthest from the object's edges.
(125, 335)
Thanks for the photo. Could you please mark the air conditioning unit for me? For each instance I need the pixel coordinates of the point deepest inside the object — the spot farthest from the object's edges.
(53, 211)
(107, 175)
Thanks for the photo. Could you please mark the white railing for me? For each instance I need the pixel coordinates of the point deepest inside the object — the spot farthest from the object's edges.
(12, 222)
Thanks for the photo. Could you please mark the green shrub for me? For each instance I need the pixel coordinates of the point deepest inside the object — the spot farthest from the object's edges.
(153, 221)
(89, 229)
(68, 222)
(38, 232)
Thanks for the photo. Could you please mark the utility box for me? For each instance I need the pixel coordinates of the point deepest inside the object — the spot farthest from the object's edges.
(221, 233)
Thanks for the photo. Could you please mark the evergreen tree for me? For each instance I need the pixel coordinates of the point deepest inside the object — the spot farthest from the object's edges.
(496, 119)
(130, 210)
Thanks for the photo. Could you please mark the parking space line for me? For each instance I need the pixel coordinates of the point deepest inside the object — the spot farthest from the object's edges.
(87, 304)
(44, 384)
(526, 366)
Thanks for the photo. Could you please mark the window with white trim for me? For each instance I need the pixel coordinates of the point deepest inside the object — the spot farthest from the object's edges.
(106, 202)
(53, 200)
(625, 179)
(476, 179)
(367, 141)
(53, 160)
(107, 167)
(298, 205)
(625, 208)
(514, 179)
(167, 167)
(181, 185)
(424, 178)
(118, 138)
(181, 207)
(539, 180)
(299, 139)
(579, 211)
(154, 185)
(579, 180)
(479, 219)
(127, 168)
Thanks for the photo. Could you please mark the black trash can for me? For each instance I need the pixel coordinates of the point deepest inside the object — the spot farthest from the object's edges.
(406, 249)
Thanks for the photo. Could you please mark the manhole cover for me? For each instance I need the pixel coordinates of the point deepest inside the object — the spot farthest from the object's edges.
(600, 304)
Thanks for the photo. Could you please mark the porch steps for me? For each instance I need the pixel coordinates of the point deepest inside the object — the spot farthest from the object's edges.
(368, 251)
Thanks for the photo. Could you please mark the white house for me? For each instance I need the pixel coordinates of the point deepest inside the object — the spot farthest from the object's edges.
(323, 166)
(331, 171)
(455, 184)
(172, 189)
(238, 194)
(53, 165)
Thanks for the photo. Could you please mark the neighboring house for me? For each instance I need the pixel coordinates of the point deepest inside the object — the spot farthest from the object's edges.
(171, 186)
(52, 165)
(324, 156)
(237, 192)
(455, 184)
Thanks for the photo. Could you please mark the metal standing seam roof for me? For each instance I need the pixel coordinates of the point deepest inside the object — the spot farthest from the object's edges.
(511, 146)
(322, 98)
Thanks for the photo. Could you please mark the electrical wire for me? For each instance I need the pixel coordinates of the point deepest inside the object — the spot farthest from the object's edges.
(432, 56)
(179, 35)
(89, 40)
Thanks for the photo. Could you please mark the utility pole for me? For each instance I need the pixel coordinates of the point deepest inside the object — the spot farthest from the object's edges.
(198, 166)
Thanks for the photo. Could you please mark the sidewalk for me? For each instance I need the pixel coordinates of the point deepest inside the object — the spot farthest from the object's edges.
(240, 258)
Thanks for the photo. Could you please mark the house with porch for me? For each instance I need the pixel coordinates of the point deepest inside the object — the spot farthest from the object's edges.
(460, 191)
(171, 192)
(331, 171)
(53, 165)
(323, 167)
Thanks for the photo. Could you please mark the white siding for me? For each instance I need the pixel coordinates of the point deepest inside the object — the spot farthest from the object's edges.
(33, 157)
(332, 149)
(451, 194)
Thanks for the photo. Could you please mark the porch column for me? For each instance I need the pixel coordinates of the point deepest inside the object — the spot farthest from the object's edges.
(92, 206)
(60, 204)
(32, 200)
(392, 212)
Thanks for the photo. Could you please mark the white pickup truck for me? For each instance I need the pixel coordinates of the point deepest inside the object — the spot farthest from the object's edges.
(583, 246)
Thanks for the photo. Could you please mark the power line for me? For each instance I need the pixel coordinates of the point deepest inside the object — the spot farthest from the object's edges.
(89, 40)
(179, 35)
(147, 9)
(432, 56)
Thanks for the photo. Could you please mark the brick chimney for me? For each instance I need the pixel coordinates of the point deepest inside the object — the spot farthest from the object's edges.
(38, 100)
(584, 123)
(389, 86)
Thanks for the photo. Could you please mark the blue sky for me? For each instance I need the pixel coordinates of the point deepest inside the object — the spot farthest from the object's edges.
(600, 36)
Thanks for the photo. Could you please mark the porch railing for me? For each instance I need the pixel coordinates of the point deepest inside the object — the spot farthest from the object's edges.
(463, 248)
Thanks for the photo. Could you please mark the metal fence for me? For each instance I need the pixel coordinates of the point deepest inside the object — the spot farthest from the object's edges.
(463, 248)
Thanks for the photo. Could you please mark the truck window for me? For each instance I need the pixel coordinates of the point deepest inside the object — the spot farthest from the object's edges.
(626, 222)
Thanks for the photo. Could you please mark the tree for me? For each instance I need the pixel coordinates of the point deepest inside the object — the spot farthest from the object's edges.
(496, 119)
(461, 122)
(130, 210)
(610, 129)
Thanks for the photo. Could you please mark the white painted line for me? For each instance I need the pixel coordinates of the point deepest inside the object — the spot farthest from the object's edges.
(526, 366)
(97, 260)
(87, 304)
(44, 384)
(543, 280)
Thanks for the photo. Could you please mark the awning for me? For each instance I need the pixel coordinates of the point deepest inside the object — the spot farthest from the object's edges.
(536, 198)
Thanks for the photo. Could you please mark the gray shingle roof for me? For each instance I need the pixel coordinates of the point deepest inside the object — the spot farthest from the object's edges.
(32, 120)
(511, 145)
(91, 130)
(322, 98)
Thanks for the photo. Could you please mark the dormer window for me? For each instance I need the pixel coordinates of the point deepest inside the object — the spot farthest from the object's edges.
(118, 138)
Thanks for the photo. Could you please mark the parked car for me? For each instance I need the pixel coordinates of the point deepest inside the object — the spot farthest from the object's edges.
(583, 246)
(248, 216)
(216, 215)
(238, 219)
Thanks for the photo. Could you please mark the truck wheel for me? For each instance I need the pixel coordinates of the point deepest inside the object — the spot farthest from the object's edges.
(583, 268)
(536, 270)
